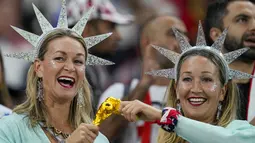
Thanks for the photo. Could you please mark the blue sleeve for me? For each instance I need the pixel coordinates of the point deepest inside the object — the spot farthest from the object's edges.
(197, 132)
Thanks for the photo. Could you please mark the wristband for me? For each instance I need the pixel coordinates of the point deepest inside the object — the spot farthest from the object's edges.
(169, 119)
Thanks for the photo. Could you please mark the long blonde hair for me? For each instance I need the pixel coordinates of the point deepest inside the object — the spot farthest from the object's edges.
(229, 104)
(35, 110)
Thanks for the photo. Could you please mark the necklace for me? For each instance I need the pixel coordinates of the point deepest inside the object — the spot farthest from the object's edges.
(58, 132)
(55, 133)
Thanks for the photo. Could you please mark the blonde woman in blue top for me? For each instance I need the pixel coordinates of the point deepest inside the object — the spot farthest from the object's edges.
(203, 94)
(58, 106)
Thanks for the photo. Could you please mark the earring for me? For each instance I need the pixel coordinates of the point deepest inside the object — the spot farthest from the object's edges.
(178, 106)
(39, 90)
(80, 98)
(219, 111)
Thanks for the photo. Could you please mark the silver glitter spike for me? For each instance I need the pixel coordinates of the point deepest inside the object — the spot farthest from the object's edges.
(44, 23)
(94, 60)
(219, 42)
(184, 44)
(93, 40)
(62, 20)
(235, 74)
(200, 36)
(167, 73)
(231, 56)
(168, 53)
(28, 56)
(201, 47)
(30, 37)
(79, 27)
(62, 24)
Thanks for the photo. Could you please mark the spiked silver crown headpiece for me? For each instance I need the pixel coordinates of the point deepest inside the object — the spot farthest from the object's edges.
(47, 28)
(200, 47)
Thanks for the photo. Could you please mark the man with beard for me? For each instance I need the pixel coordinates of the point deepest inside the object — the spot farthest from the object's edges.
(149, 89)
(239, 17)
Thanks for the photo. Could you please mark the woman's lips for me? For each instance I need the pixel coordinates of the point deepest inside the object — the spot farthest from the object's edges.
(196, 101)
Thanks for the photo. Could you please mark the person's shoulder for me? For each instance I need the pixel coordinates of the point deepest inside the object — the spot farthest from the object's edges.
(239, 124)
(11, 126)
(115, 90)
(13, 119)
(4, 111)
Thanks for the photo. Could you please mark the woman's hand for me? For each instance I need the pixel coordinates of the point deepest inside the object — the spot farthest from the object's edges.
(85, 133)
(132, 110)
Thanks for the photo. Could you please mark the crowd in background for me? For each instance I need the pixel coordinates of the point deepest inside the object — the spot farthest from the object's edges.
(135, 25)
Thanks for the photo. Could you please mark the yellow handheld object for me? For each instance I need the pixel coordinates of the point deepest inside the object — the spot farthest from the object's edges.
(110, 106)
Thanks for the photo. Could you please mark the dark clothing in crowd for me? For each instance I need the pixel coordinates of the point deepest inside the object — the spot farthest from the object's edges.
(244, 90)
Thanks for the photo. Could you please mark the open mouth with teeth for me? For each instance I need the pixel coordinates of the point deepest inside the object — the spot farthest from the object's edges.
(66, 82)
(197, 101)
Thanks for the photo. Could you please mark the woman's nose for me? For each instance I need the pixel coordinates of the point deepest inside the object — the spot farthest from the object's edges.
(196, 86)
(69, 66)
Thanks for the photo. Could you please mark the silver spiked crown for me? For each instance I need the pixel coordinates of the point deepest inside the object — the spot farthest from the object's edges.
(47, 28)
(201, 46)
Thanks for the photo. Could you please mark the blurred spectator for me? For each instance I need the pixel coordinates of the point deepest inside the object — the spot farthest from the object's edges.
(127, 57)
(10, 41)
(5, 98)
(157, 31)
(103, 20)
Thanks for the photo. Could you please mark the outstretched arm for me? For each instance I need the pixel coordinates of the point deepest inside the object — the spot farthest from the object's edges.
(197, 132)
(192, 131)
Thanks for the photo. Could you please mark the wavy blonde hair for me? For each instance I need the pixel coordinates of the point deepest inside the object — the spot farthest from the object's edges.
(35, 110)
(229, 104)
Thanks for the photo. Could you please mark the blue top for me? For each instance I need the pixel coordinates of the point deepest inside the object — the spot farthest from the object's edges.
(237, 131)
(15, 128)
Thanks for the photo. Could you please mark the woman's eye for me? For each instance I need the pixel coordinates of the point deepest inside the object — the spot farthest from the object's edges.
(206, 79)
(79, 62)
(187, 79)
(59, 59)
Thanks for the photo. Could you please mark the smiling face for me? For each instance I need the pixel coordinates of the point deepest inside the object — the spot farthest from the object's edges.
(199, 88)
(62, 69)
